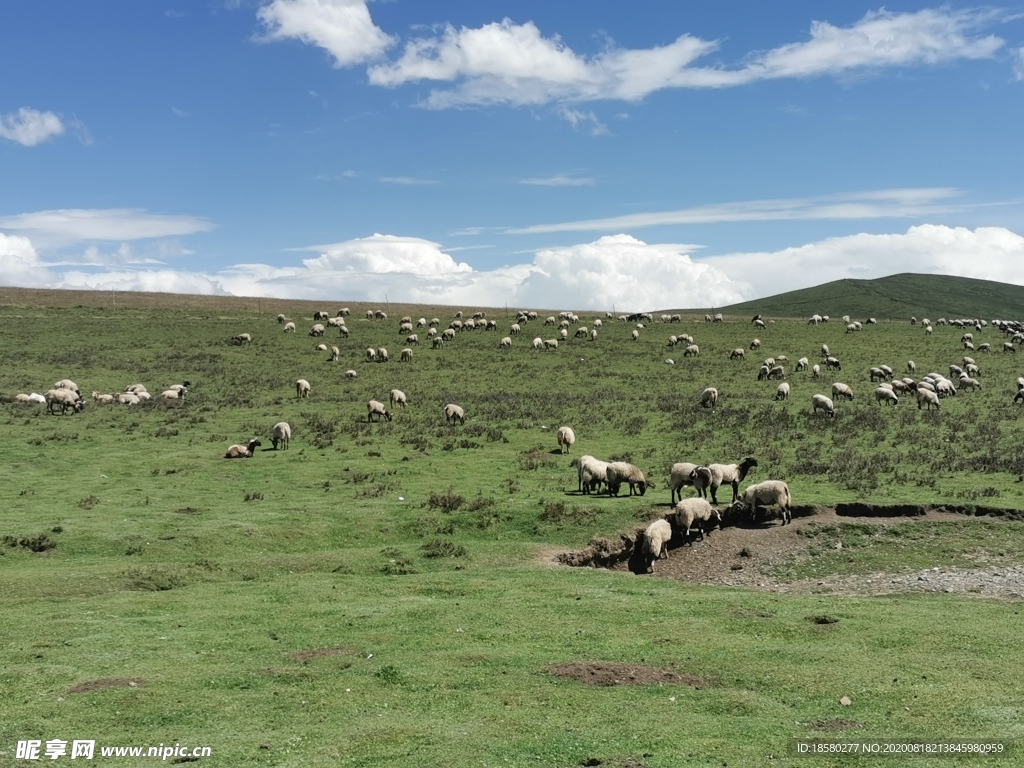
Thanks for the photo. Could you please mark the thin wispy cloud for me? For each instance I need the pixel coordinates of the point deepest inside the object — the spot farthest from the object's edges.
(30, 127)
(516, 64)
(559, 180)
(406, 181)
(179, 112)
(71, 225)
(891, 203)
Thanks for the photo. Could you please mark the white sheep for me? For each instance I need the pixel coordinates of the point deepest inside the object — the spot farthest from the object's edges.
(281, 435)
(656, 539)
(538, 343)
(591, 473)
(802, 364)
(691, 351)
(505, 343)
(685, 473)
(243, 451)
(782, 393)
(911, 366)
(289, 327)
(320, 348)
(453, 413)
(886, 395)
(766, 494)
(839, 389)
(695, 510)
(406, 356)
(620, 472)
(737, 354)
(378, 409)
(173, 394)
(67, 384)
(823, 403)
(382, 355)
(335, 354)
(317, 330)
(242, 338)
(302, 388)
(398, 398)
(350, 374)
(729, 474)
(371, 354)
(23, 398)
(129, 398)
(927, 398)
(816, 371)
(709, 397)
(755, 344)
(566, 438)
(551, 343)
(65, 398)
(99, 398)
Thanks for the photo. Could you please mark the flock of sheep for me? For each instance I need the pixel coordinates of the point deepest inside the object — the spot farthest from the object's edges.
(67, 396)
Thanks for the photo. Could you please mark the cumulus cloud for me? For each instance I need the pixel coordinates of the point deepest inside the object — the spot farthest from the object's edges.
(61, 227)
(20, 265)
(29, 126)
(343, 28)
(515, 64)
(985, 253)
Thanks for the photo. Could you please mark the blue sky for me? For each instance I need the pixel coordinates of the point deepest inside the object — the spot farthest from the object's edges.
(643, 155)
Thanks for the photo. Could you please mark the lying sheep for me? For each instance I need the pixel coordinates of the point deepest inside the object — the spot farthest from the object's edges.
(696, 510)
(23, 398)
(767, 493)
(453, 413)
(281, 435)
(709, 397)
(129, 398)
(684, 473)
(378, 409)
(656, 539)
(566, 439)
(106, 399)
(729, 474)
(592, 473)
(302, 388)
(398, 399)
(620, 472)
(243, 451)
(823, 403)
(320, 348)
(173, 394)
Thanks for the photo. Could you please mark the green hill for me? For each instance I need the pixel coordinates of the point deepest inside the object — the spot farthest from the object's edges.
(896, 297)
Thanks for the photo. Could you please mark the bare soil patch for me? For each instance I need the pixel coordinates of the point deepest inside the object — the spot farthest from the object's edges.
(614, 673)
(106, 682)
(304, 657)
(743, 555)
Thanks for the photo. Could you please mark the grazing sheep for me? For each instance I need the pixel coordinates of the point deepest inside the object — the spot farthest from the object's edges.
(620, 472)
(709, 397)
(683, 474)
(412, 339)
(842, 390)
(382, 355)
(321, 315)
(717, 318)
(927, 398)
(453, 413)
(656, 539)
(777, 372)
(824, 350)
(243, 451)
(815, 371)
(1008, 347)
(377, 408)
(969, 382)
(885, 395)
(302, 388)
(371, 354)
(320, 348)
(737, 353)
(398, 399)
(538, 343)
(281, 435)
(802, 364)
(566, 438)
(66, 399)
(514, 329)
(280, 318)
(335, 354)
(350, 374)
(69, 385)
(876, 374)
(782, 393)
(242, 338)
(833, 364)
(289, 327)
(755, 344)
(729, 474)
(551, 344)
(636, 335)
(765, 494)
(406, 356)
(437, 342)
(691, 351)
(505, 343)
(911, 366)
(591, 473)
(696, 510)
(317, 330)
(823, 403)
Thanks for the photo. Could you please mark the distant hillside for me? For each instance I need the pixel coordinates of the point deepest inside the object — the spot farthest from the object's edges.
(895, 297)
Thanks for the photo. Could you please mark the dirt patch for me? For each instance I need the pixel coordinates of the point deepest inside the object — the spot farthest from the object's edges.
(186, 511)
(612, 673)
(106, 682)
(836, 724)
(742, 554)
(304, 657)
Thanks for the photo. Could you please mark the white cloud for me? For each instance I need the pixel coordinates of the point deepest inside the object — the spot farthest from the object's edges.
(986, 253)
(407, 181)
(1018, 64)
(873, 204)
(70, 225)
(508, 63)
(343, 28)
(29, 126)
(20, 265)
(578, 118)
(559, 180)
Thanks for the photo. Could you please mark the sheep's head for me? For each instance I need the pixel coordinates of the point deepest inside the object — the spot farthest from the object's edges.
(254, 444)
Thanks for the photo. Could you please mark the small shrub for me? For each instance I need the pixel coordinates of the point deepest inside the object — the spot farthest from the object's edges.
(254, 496)
(442, 548)
(446, 502)
(89, 502)
(388, 674)
(38, 543)
(398, 566)
(153, 579)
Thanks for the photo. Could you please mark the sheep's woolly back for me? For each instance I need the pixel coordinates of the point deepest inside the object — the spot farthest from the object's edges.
(656, 539)
(768, 493)
(566, 437)
(281, 433)
(591, 472)
(689, 511)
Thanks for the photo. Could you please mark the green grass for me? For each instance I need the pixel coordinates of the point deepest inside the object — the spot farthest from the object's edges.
(419, 553)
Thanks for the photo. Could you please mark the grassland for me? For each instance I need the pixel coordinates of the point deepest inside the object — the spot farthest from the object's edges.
(383, 594)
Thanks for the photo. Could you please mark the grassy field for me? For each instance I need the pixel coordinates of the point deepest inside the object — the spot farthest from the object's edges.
(384, 594)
